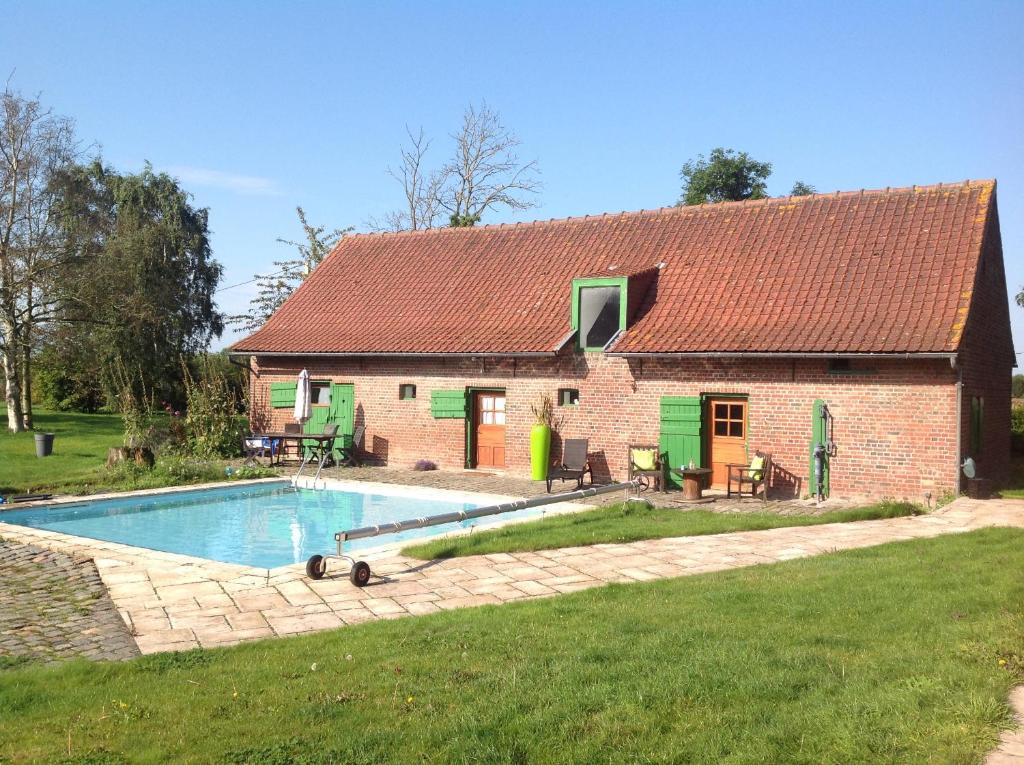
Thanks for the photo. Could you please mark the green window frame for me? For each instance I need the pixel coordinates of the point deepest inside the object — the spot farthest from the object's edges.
(621, 282)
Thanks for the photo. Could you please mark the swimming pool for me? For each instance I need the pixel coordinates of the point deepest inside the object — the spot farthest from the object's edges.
(263, 525)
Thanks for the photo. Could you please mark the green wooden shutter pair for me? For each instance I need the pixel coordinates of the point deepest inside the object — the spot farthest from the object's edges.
(681, 433)
(448, 404)
(282, 395)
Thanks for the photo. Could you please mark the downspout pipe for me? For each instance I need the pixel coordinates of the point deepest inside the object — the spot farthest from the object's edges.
(959, 423)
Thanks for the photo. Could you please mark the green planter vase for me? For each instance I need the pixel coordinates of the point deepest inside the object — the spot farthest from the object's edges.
(540, 451)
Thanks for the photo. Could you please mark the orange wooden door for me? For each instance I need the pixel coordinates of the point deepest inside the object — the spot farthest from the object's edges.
(728, 429)
(489, 428)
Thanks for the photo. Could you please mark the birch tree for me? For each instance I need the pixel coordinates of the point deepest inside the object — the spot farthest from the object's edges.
(35, 145)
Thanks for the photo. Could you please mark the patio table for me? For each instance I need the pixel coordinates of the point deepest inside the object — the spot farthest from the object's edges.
(298, 438)
(693, 483)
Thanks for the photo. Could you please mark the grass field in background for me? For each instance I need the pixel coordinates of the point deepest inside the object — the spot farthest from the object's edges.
(902, 653)
(616, 524)
(78, 462)
(79, 452)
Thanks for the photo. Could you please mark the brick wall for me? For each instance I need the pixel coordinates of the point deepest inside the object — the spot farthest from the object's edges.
(895, 420)
(987, 358)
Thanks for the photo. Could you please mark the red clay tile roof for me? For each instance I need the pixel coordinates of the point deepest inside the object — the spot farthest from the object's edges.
(864, 272)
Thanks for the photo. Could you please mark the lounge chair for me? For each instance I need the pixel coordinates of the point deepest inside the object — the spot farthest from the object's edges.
(574, 464)
(348, 453)
(647, 466)
(750, 478)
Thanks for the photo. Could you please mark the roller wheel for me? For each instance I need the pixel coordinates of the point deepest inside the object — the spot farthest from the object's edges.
(316, 567)
(360, 574)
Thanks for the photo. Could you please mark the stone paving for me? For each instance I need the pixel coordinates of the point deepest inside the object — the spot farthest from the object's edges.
(173, 602)
(515, 486)
(1010, 750)
(53, 606)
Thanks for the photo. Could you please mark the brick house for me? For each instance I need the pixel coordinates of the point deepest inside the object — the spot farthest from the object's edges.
(712, 330)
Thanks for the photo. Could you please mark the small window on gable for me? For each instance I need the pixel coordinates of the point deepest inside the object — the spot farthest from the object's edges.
(599, 311)
(406, 391)
(320, 394)
(568, 396)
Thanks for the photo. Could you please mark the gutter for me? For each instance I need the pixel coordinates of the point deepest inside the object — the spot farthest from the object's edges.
(951, 357)
(395, 354)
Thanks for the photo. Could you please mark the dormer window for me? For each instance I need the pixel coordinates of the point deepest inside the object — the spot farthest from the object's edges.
(599, 311)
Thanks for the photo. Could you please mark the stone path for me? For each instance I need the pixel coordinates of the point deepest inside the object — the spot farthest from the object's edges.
(172, 602)
(53, 606)
(1010, 750)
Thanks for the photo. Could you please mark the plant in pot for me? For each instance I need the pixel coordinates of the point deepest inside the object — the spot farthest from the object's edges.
(540, 437)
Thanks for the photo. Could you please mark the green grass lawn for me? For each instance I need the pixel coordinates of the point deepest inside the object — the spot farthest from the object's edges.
(898, 653)
(619, 523)
(79, 451)
(78, 462)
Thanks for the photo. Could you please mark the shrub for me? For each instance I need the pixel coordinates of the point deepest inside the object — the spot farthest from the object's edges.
(1017, 428)
(424, 465)
(212, 426)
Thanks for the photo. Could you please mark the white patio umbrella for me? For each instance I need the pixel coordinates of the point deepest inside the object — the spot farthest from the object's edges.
(303, 408)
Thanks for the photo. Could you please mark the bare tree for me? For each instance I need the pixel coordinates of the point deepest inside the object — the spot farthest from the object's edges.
(422, 188)
(35, 145)
(486, 171)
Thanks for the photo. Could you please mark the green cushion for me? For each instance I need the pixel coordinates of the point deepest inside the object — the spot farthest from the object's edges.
(756, 467)
(645, 459)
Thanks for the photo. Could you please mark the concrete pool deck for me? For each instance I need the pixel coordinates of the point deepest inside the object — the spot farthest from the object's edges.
(174, 602)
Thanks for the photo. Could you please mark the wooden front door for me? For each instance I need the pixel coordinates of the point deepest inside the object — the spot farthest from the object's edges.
(728, 437)
(489, 428)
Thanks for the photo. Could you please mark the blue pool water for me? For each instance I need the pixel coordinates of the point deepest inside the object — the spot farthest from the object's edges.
(265, 525)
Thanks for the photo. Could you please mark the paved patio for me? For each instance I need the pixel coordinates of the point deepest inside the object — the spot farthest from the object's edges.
(514, 486)
(54, 607)
(173, 602)
(1010, 750)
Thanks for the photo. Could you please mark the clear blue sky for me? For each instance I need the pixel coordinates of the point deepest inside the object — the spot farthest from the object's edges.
(258, 107)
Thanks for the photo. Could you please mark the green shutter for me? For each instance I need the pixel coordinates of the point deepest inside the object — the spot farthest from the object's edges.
(818, 436)
(450, 404)
(282, 394)
(681, 432)
(343, 408)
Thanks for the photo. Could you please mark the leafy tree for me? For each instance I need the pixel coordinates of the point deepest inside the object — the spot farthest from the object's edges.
(274, 288)
(140, 296)
(801, 189)
(723, 176)
(1018, 386)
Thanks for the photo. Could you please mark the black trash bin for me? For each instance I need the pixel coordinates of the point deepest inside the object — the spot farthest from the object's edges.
(44, 444)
